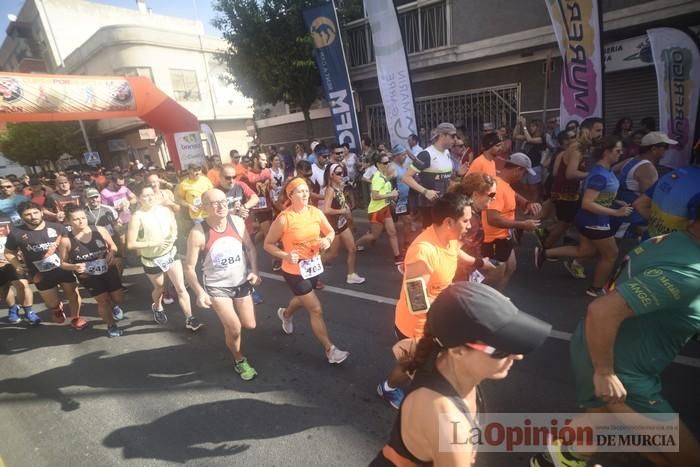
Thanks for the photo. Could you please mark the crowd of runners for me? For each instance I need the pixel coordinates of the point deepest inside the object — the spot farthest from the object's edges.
(454, 215)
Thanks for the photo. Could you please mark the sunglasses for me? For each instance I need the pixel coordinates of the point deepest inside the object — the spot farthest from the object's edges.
(222, 203)
(492, 195)
(230, 177)
(7, 186)
(488, 350)
(339, 153)
(323, 156)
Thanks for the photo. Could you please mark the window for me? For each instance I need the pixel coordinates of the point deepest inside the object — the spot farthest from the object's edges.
(185, 85)
(144, 71)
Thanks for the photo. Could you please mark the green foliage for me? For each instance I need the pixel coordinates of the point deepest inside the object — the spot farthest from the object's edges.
(29, 143)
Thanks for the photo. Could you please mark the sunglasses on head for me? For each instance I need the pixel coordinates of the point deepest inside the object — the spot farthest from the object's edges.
(488, 350)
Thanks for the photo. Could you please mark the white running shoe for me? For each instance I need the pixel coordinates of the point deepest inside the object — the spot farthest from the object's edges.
(336, 356)
(287, 323)
(355, 279)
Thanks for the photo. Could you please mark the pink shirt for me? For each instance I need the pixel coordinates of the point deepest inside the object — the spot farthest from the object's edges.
(119, 200)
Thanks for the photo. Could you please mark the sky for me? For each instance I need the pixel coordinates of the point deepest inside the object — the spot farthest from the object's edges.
(190, 9)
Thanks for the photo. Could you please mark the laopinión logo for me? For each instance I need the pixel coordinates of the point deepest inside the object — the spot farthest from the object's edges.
(323, 31)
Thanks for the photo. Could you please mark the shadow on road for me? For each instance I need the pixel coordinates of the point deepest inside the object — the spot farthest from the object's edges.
(179, 436)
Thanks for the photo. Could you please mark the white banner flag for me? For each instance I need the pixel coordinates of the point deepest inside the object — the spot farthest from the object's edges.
(677, 63)
(392, 70)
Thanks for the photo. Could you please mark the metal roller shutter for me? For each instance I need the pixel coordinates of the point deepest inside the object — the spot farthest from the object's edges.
(630, 93)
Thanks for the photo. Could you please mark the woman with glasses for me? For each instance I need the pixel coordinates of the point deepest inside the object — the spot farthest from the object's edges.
(593, 218)
(153, 232)
(338, 212)
(382, 195)
(305, 233)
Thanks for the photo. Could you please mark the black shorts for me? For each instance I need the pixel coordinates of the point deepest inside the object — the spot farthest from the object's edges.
(413, 197)
(50, 279)
(298, 284)
(500, 249)
(566, 210)
(263, 216)
(156, 269)
(8, 274)
(105, 283)
(239, 291)
(595, 234)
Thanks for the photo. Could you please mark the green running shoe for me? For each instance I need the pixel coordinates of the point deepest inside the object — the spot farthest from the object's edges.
(244, 369)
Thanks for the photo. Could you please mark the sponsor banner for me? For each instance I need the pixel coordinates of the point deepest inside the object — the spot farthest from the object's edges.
(677, 63)
(590, 432)
(189, 148)
(330, 58)
(627, 54)
(577, 28)
(392, 70)
(42, 94)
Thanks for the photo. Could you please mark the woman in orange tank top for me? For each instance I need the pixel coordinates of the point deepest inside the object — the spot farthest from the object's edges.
(304, 232)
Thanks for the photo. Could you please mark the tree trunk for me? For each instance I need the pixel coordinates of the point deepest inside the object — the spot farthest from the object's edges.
(309, 124)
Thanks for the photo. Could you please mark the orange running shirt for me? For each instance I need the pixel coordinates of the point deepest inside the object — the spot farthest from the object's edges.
(301, 234)
(442, 264)
(482, 164)
(504, 202)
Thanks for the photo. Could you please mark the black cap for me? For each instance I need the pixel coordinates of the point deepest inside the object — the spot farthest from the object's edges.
(489, 140)
(469, 312)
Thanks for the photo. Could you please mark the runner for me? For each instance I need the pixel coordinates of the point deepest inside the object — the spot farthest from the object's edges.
(229, 272)
(161, 196)
(188, 192)
(241, 199)
(631, 335)
(399, 165)
(472, 333)
(304, 232)
(259, 179)
(12, 287)
(89, 252)
(593, 219)
(9, 200)
(337, 211)
(38, 240)
(486, 162)
(57, 200)
(153, 231)
(430, 266)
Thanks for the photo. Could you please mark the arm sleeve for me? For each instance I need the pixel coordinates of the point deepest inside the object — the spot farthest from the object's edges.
(422, 161)
(595, 182)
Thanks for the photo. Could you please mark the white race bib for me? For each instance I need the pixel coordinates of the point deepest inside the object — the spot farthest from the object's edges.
(197, 202)
(15, 218)
(477, 277)
(164, 262)
(311, 267)
(48, 264)
(342, 221)
(401, 208)
(262, 203)
(96, 267)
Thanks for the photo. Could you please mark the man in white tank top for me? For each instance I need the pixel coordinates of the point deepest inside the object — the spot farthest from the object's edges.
(229, 272)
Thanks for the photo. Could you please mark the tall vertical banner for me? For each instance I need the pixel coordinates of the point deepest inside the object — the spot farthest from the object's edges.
(677, 63)
(392, 70)
(330, 58)
(577, 28)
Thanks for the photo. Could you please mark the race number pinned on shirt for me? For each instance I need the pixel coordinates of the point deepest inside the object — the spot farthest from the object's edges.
(15, 218)
(401, 208)
(197, 202)
(262, 203)
(477, 277)
(311, 267)
(96, 267)
(47, 264)
(164, 262)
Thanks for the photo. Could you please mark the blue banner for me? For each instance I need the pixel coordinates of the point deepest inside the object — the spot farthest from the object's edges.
(330, 58)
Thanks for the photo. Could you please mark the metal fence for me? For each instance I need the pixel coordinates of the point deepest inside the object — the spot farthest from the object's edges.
(468, 110)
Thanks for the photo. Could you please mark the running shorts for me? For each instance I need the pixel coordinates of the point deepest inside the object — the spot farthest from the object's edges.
(50, 279)
(298, 284)
(105, 283)
(8, 274)
(239, 291)
(500, 249)
(595, 234)
(378, 217)
(156, 269)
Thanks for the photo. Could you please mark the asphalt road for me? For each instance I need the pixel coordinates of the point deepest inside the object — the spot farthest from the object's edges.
(161, 395)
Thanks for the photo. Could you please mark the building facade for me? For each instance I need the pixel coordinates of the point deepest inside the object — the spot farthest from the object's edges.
(477, 61)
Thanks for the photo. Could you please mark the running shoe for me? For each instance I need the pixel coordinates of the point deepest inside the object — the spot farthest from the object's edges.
(244, 369)
(360, 248)
(355, 279)
(114, 331)
(539, 257)
(59, 317)
(393, 398)
(575, 269)
(117, 313)
(320, 285)
(159, 316)
(193, 324)
(13, 314)
(540, 236)
(31, 317)
(287, 323)
(276, 265)
(555, 457)
(595, 291)
(257, 299)
(336, 356)
(167, 299)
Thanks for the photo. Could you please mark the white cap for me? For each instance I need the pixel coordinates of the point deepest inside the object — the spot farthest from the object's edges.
(657, 137)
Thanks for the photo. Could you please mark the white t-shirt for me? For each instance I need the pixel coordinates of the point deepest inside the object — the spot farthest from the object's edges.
(369, 173)
(350, 165)
(416, 149)
(317, 176)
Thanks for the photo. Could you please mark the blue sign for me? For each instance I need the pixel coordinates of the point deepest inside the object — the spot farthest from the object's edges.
(330, 58)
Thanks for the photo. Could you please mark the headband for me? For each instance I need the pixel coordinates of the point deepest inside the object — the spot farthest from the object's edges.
(333, 167)
(293, 185)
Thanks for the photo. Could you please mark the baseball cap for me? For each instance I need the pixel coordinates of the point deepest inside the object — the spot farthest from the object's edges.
(521, 160)
(322, 149)
(489, 140)
(467, 312)
(657, 137)
(488, 126)
(90, 192)
(441, 129)
(398, 149)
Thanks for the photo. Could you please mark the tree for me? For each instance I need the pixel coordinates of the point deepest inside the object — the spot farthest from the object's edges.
(28, 143)
(270, 54)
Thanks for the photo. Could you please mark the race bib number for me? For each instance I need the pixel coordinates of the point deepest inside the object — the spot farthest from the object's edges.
(96, 267)
(226, 261)
(48, 264)
(197, 202)
(15, 218)
(120, 204)
(477, 277)
(311, 267)
(164, 262)
(401, 208)
(262, 203)
(342, 221)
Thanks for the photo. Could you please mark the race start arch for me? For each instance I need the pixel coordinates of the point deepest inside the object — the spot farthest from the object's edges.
(31, 97)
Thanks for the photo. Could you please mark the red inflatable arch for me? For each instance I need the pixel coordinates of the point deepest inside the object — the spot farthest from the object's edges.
(50, 98)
